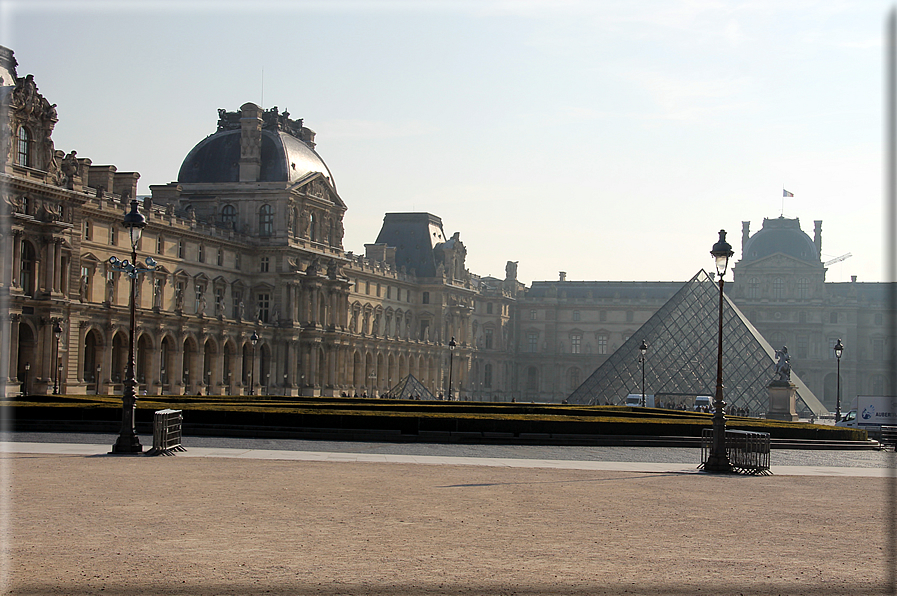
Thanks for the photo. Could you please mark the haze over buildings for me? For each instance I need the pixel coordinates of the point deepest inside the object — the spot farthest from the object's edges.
(608, 141)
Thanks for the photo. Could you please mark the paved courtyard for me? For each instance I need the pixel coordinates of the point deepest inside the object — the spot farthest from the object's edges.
(242, 520)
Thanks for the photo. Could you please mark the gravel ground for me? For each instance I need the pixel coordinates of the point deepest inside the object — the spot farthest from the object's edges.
(219, 526)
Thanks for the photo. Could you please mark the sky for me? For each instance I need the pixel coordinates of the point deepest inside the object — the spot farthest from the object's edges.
(610, 139)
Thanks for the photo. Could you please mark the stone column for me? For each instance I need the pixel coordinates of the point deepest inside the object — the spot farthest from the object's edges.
(177, 375)
(154, 374)
(57, 265)
(237, 372)
(13, 328)
(50, 269)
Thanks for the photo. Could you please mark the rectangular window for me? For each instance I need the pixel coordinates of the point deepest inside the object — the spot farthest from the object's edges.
(367, 288)
(198, 306)
(113, 235)
(378, 290)
(220, 259)
(264, 302)
(85, 284)
(87, 230)
(576, 343)
(803, 346)
(389, 292)
(160, 245)
(201, 253)
(219, 301)
(237, 300)
(532, 342)
(425, 298)
(602, 344)
(424, 326)
(487, 336)
(488, 308)
(180, 249)
(878, 349)
(263, 264)
(575, 315)
(487, 376)
(238, 261)
(532, 315)
(602, 315)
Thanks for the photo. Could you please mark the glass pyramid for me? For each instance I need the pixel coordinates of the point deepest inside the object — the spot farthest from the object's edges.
(682, 352)
(410, 388)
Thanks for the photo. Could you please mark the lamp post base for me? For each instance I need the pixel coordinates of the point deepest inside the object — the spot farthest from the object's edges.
(127, 445)
(719, 464)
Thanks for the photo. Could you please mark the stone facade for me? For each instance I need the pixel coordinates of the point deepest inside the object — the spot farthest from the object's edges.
(249, 239)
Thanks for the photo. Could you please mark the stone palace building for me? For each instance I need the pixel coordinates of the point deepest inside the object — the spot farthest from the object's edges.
(249, 240)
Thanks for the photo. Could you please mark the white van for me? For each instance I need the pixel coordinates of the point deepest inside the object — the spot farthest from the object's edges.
(703, 403)
(635, 400)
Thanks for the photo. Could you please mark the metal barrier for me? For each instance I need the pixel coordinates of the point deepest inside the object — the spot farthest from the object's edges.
(889, 437)
(748, 452)
(166, 432)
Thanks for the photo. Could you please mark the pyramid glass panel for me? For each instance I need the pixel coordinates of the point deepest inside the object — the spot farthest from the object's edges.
(410, 388)
(682, 356)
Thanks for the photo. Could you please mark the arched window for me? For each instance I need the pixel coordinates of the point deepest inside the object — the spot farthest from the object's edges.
(803, 288)
(229, 215)
(753, 288)
(266, 221)
(23, 147)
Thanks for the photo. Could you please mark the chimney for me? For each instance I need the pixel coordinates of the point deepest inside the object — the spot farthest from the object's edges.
(562, 276)
(817, 238)
(853, 279)
(250, 142)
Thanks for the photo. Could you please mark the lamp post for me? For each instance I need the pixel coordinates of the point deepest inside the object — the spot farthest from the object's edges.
(839, 349)
(127, 441)
(253, 339)
(57, 333)
(25, 385)
(643, 349)
(452, 344)
(718, 460)
(99, 369)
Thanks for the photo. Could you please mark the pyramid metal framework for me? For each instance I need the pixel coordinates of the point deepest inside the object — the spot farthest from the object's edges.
(682, 357)
(410, 388)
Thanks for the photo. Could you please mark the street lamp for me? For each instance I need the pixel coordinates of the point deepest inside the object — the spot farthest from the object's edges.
(254, 339)
(643, 349)
(718, 460)
(134, 223)
(99, 368)
(26, 387)
(839, 349)
(57, 332)
(452, 344)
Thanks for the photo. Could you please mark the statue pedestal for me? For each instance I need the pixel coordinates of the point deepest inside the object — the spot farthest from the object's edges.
(782, 401)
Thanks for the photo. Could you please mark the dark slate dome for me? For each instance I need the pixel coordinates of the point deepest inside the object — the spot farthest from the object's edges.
(284, 158)
(780, 235)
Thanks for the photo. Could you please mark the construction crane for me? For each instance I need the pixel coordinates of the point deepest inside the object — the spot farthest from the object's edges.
(843, 257)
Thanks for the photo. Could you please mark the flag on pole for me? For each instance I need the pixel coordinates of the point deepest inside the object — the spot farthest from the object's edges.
(785, 193)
